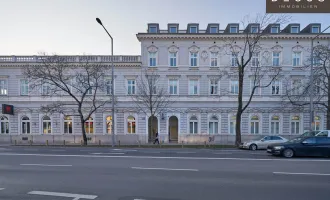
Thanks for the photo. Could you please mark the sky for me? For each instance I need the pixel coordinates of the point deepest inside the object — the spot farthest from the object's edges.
(68, 27)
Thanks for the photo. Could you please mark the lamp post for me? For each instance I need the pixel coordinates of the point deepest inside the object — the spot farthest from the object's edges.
(112, 83)
(311, 106)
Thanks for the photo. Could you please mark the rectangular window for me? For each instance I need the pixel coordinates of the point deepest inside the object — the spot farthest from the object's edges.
(274, 29)
(24, 84)
(130, 86)
(294, 29)
(296, 59)
(152, 29)
(276, 87)
(318, 87)
(232, 127)
(152, 85)
(295, 127)
(315, 29)
(45, 89)
(233, 29)
(173, 58)
(255, 60)
(90, 89)
(254, 127)
(234, 87)
(173, 29)
(193, 59)
(108, 85)
(296, 85)
(152, 59)
(214, 29)
(276, 58)
(193, 87)
(234, 59)
(213, 87)
(3, 87)
(214, 59)
(255, 83)
(254, 29)
(275, 127)
(173, 86)
(193, 29)
(316, 61)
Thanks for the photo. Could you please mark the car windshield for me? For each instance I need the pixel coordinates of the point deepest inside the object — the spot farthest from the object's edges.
(310, 133)
(295, 140)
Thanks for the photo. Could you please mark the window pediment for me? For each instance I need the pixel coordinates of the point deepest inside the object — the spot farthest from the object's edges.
(214, 49)
(297, 48)
(152, 49)
(173, 49)
(232, 49)
(194, 49)
(277, 48)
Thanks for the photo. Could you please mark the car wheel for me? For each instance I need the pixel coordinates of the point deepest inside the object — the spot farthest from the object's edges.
(288, 153)
(253, 147)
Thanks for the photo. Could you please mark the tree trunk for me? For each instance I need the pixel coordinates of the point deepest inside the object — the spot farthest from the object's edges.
(238, 129)
(328, 105)
(152, 127)
(82, 121)
(240, 106)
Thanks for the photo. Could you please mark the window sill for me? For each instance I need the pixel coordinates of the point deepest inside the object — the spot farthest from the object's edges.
(173, 68)
(214, 68)
(193, 68)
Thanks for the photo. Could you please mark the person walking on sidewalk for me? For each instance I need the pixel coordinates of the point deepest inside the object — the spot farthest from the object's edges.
(156, 139)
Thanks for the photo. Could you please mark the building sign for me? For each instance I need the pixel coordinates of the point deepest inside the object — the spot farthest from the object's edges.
(297, 6)
(7, 109)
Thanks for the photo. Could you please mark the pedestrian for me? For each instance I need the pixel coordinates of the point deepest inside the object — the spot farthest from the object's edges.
(156, 139)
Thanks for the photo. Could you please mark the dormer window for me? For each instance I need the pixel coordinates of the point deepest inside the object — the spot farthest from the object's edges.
(213, 29)
(294, 29)
(193, 29)
(274, 29)
(173, 29)
(233, 29)
(315, 29)
(152, 29)
(254, 29)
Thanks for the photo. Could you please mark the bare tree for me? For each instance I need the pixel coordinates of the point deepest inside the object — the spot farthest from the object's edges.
(151, 96)
(246, 53)
(55, 77)
(299, 94)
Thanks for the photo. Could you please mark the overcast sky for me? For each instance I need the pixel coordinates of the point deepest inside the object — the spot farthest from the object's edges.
(69, 26)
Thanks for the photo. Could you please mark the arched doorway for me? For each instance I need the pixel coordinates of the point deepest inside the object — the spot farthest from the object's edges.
(152, 128)
(173, 128)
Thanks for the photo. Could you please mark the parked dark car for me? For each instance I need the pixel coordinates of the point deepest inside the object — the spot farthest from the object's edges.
(302, 146)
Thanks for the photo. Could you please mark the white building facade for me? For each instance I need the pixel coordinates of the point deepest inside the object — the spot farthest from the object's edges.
(189, 63)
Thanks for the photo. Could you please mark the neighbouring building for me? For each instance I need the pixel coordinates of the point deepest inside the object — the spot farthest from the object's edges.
(188, 62)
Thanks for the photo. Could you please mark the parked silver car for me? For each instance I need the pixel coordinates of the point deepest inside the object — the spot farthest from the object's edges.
(262, 142)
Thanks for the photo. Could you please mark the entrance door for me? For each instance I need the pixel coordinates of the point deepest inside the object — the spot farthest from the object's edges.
(152, 128)
(173, 128)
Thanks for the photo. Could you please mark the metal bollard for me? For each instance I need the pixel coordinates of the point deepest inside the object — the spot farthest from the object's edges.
(118, 142)
(139, 143)
(47, 142)
(182, 144)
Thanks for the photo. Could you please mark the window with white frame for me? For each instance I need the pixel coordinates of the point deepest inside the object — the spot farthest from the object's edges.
(193, 59)
(108, 124)
(232, 124)
(4, 125)
(296, 59)
(296, 87)
(131, 126)
(173, 59)
(152, 59)
(255, 59)
(316, 61)
(234, 59)
(213, 125)
(152, 85)
(193, 29)
(25, 125)
(130, 86)
(256, 84)
(45, 89)
(46, 125)
(108, 85)
(173, 86)
(275, 125)
(234, 87)
(315, 29)
(24, 85)
(214, 59)
(89, 126)
(295, 125)
(317, 123)
(90, 88)
(276, 87)
(254, 125)
(3, 87)
(233, 29)
(193, 87)
(276, 58)
(254, 29)
(193, 125)
(318, 87)
(274, 29)
(214, 86)
(68, 125)
(294, 29)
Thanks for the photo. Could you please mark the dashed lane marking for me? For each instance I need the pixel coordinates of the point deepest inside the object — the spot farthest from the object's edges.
(311, 174)
(69, 195)
(46, 165)
(166, 169)
(108, 153)
(2, 189)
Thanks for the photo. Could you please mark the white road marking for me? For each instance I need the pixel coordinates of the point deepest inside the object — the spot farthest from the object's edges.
(2, 188)
(312, 174)
(57, 194)
(149, 152)
(5, 149)
(57, 150)
(154, 157)
(124, 150)
(166, 169)
(45, 165)
(223, 153)
(185, 152)
(31, 149)
(108, 153)
(87, 150)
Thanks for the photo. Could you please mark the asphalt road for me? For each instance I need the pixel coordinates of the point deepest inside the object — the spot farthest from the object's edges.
(53, 173)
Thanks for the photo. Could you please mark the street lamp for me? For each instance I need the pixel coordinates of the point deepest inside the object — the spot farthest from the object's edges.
(311, 117)
(112, 90)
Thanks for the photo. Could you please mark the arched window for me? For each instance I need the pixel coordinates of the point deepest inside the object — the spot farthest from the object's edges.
(68, 125)
(275, 125)
(213, 125)
(108, 125)
(46, 125)
(26, 125)
(193, 125)
(254, 124)
(89, 126)
(131, 126)
(317, 123)
(295, 124)
(4, 125)
(232, 125)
